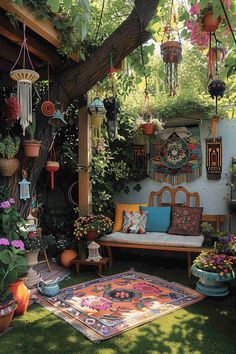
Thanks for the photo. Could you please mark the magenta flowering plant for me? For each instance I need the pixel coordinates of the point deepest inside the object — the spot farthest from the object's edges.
(12, 264)
(11, 223)
(216, 263)
(226, 244)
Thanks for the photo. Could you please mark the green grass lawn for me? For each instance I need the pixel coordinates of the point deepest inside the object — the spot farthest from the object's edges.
(206, 327)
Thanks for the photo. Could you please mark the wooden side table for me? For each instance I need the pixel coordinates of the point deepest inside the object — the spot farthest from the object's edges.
(102, 263)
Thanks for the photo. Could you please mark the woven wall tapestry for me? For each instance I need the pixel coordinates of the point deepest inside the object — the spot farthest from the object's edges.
(214, 158)
(176, 156)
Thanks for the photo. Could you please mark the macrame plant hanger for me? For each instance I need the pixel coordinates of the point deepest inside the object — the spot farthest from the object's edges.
(24, 78)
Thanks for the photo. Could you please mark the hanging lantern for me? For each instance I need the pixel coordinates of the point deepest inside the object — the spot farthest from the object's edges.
(216, 88)
(96, 110)
(57, 120)
(24, 187)
(25, 78)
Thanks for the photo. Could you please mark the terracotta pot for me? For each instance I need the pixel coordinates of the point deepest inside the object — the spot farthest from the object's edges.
(210, 23)
(8, 167)
(148, 128)
(21, 295)
(91, 235)
(67, 256)
(171, 51)
(31, 148)
(6, 313)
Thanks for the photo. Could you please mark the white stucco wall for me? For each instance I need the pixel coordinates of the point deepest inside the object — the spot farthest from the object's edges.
(213, 194)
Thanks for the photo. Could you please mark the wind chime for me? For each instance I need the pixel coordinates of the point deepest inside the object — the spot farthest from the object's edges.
(48, 107)
(111, 103)
(171, 52)
(96, 110)
(52, 164)
(25, 78)
(216, 89)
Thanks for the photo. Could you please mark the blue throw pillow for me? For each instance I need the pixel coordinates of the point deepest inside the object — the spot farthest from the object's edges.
(158, 218)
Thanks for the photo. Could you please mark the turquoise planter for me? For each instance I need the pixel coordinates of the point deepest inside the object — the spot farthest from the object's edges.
(212, 284)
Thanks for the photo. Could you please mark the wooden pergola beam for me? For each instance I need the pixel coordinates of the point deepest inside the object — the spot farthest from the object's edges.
(43, 28)
(35, 46)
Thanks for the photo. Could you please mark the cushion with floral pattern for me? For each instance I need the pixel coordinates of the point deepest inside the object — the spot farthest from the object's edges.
(186, 221)
(134, 222)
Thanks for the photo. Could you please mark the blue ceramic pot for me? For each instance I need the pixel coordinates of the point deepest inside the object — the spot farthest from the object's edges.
(212, 284)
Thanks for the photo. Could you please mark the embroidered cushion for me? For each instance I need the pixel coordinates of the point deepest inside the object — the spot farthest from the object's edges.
(158, 218)
(134, 222)
(119, 213)
(186, 221)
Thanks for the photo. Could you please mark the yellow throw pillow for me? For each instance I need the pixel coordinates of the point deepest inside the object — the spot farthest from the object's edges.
(119, 213)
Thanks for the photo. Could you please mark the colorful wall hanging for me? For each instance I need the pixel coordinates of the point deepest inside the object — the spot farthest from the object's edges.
(24, 78)
(214, 158)
(175, 155)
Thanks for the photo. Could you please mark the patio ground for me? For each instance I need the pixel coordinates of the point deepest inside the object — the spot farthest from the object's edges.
(206, 327)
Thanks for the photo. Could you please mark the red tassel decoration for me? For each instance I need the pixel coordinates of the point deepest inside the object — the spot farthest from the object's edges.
(13, 109)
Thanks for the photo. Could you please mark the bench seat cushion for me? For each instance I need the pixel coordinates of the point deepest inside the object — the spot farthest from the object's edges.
(155, 239)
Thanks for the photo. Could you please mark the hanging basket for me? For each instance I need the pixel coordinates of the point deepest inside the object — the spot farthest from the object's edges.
(171, 52)
(210, 23)
(24, 75)
(148, 128)
(8, 167)
(31, 148)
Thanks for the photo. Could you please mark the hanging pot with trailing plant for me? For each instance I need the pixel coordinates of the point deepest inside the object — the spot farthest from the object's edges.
(210, 22)
(31, 146)
(9, 147)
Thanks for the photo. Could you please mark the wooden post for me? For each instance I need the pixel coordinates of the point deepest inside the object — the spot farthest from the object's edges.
(84, 157)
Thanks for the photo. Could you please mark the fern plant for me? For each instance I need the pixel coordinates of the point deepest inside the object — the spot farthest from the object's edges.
(9, 146)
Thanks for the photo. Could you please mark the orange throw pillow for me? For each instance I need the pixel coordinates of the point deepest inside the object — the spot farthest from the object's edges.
(119, 213)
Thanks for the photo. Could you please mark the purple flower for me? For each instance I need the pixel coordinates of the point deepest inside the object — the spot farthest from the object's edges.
(5, 205)
(18, 244)
(4, 242)
(12, 201)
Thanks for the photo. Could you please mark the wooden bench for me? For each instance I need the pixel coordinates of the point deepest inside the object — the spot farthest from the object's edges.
(158, 199)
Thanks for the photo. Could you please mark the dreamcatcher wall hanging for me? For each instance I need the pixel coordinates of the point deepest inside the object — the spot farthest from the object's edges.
(171, 51)
(25, 78)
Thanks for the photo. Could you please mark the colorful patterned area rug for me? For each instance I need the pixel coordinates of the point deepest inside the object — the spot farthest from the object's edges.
(105, 307)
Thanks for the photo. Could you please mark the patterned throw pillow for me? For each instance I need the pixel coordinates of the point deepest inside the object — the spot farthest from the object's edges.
(134, 222)
(186, 221)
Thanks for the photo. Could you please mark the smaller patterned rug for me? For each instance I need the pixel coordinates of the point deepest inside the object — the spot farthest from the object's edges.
(105, 307)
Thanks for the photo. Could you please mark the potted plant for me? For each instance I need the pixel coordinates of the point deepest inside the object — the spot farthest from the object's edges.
(149, 125)
(213, 271)
(12, 266)
(31, 146)
(208, 233)
(9, 147)
(89, 227)
(226, 244)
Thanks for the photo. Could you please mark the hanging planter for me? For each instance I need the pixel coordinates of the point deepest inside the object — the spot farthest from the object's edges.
(8, 167)
(148, 128)
(31, 148)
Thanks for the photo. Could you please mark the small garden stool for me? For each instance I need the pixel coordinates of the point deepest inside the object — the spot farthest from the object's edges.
(102, 263)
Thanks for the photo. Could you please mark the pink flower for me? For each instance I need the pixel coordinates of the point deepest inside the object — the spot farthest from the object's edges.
(227, 4)
(12, 201)
(195, 9)
(5, 205)
(4, 242)
(18, 244)
(32, 234)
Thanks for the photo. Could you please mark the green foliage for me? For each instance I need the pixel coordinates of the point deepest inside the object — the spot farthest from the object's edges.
(30, 130)
(12, 266)
(9, 146)
(36, 241)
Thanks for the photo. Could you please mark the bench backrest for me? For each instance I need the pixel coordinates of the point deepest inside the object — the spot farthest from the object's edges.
(191, 199)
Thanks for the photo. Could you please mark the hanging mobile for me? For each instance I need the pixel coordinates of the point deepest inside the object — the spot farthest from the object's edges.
(24, 187)
(48, 107)
(24, 78)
